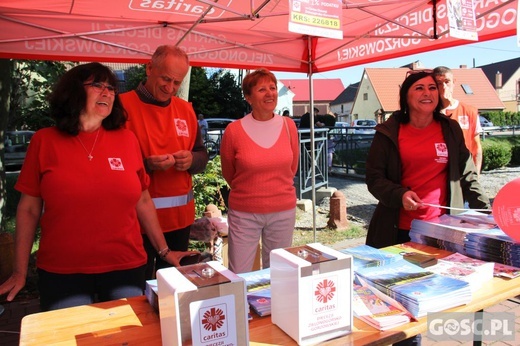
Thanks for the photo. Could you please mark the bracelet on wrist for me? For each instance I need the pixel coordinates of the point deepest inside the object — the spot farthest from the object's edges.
(162, 252)
(163, 255)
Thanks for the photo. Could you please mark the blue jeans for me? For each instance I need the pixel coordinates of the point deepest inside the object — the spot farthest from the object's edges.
(58, 291)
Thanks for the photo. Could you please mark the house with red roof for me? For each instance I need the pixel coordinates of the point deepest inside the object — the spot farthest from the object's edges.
(378, 93)
(324, 91)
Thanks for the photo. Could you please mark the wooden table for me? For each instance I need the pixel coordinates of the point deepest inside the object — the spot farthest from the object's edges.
(134, 322)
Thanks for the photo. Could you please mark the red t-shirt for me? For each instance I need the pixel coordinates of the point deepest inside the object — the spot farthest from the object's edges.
(424, 160)
(89, 223)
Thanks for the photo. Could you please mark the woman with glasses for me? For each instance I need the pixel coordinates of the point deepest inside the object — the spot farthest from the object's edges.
(83, 182)
(418, 164)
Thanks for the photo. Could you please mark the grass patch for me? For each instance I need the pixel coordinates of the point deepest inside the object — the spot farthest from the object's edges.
(327, 236)
(513, 140)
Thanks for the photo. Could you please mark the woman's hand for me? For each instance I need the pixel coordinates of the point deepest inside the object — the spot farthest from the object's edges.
(13, 285)
(181, 258)
(411, 201)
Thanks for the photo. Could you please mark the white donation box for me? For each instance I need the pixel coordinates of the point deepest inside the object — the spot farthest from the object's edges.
(311, 292)
(202, 304)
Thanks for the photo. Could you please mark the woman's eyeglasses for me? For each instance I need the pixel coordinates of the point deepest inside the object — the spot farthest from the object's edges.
(100, 87)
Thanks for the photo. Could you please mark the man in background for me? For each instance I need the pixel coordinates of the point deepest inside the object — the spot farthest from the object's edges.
(203, 125)
(172, 147)
(467, 116)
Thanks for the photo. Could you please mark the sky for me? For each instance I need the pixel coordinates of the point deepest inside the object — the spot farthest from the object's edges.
(471, 55)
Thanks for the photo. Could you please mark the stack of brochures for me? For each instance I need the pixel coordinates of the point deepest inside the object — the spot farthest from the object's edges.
(258, 286)
(448, 232)
(377, 309)
(474, 271)
(367, 256)
(473, 234)
(417, 289)
(493, 245)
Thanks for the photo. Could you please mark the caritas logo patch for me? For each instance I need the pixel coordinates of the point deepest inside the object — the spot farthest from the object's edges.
(116, 164)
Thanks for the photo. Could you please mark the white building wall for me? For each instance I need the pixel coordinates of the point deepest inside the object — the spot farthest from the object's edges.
(364, 109)
(509, 93)
(285, 99)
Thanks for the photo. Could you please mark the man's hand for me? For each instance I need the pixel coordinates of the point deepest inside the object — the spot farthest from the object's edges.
(159, 162)
(183, 160)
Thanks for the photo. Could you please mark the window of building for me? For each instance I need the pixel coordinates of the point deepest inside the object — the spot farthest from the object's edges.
(467, 89)
(365, 97)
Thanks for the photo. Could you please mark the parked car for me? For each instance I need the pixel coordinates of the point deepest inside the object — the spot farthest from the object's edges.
(363, 127)
(16, 143)
(218, 123)
(487, 126)
(216, 127)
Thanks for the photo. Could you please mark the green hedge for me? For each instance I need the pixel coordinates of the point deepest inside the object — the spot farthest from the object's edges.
(503, 118)
(515, 156)
(495, 155)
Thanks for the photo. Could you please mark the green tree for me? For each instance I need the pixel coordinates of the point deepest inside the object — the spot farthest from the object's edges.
(133, 76)
(231, 102)
(31, 83)
(202, 93)
(6, 67)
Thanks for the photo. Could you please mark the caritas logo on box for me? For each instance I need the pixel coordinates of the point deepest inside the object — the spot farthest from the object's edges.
(213, 323)
(325, 295)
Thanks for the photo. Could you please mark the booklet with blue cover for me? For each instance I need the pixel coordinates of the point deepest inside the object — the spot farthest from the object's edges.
(367, 256)
(258, 286)
(419, 290)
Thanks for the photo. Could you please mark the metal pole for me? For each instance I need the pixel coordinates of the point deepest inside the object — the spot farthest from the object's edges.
(313, 154)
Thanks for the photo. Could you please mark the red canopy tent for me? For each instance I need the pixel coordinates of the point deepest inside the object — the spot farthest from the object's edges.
(234, 33)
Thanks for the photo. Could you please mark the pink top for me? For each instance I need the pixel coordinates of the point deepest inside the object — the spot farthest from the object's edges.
(261, 178)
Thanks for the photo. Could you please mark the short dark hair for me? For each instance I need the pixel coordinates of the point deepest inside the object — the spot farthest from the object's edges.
(68, 98)
(441, 70)
(410, 79)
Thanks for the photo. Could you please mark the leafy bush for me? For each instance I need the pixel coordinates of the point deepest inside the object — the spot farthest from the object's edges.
(515, 155)
(209, 187)
(503, 118)
(495, 155)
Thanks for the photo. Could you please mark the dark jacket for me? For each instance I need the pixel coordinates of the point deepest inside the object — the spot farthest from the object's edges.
(383, 178)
